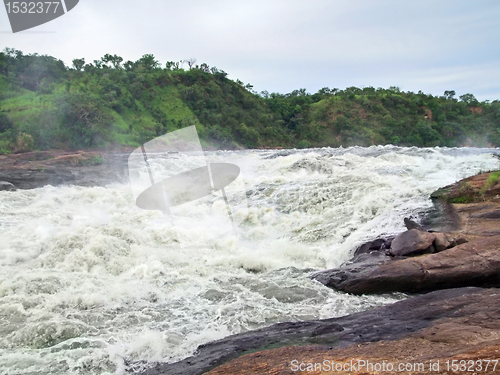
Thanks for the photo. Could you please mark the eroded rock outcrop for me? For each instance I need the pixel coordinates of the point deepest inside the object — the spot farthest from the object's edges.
(436, 325)
(83, 168)
(476, 263)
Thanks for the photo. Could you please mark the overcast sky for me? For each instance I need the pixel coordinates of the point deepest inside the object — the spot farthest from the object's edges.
(282, 45)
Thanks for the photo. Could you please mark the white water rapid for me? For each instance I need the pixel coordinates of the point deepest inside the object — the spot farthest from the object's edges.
(92, 284)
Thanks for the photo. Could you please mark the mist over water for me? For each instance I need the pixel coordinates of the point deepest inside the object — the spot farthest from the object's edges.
(90, 283)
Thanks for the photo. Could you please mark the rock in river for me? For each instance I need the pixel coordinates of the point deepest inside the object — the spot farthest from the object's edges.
(411, 241)
(475, 263)
(7, 186)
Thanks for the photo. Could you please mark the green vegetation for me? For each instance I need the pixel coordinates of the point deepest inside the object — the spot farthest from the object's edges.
(44, 105)
(464, 191)
(463, 199)
(491, 181)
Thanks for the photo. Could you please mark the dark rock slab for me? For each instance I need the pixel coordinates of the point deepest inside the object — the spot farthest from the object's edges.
(351, 271)
(114, 170)
(391, 322)
(411, 241)
(475, 263)
(472, 335)
(375, 245)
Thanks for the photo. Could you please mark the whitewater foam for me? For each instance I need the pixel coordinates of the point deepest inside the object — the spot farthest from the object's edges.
(89, 283)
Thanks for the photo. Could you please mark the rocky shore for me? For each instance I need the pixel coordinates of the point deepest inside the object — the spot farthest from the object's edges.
(57, 167)
(442, 325)
(419, 261)
(458, 319)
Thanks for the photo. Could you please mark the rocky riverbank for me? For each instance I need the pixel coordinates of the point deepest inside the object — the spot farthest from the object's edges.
(418, 260)
(455, 321)
(462, 323)
(57, 167)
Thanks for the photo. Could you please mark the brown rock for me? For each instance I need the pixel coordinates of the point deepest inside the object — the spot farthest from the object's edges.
(441, 242)
(411, 241)
(451, 240)
(475, 263)
(442, 324)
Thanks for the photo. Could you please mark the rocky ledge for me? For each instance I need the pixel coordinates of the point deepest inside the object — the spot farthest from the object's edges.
(462, 323)
(455, 322)
(57, 167)
(419, 261)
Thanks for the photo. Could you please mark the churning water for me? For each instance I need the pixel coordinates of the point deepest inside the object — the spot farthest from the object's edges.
(91, 284)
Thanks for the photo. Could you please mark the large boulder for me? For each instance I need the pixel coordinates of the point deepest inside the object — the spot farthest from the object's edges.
(411, 241)
(475, 263)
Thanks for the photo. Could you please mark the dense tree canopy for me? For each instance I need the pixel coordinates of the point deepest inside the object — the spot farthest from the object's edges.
(110, 101)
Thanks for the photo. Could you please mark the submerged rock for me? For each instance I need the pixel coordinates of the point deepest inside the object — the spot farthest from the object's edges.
(57, 173)
(7, 186)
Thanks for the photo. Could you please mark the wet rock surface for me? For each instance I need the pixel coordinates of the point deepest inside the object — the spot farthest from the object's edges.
(411, 241)
(447, 317)
(475, 263)
(418, 264)
(82, 168)
(7, 186)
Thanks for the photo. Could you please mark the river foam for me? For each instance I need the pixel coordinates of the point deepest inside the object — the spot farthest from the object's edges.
(90, 283)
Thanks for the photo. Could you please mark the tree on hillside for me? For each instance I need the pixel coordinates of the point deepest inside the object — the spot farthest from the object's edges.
(172, 65)
(469, 99)
(129, 65)
(190, 62)
(205, 68)
(3, 63)
(83, 118)
(115, 60)
(449, 94)
(78, 64)
(148, 61)
(5, 123)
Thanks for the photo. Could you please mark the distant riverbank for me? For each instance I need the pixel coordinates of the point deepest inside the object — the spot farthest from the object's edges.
(59, 167)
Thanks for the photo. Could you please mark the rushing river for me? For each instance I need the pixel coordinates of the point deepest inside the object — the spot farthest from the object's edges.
(92, 284)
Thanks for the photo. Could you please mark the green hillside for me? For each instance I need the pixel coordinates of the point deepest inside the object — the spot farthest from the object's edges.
(44, 105)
